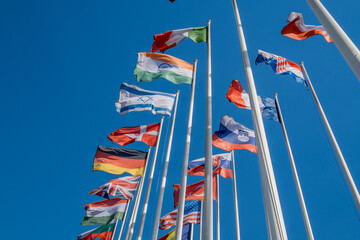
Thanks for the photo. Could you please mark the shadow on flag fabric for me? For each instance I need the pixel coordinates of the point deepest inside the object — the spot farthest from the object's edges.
(134, 99)
(192, 213)
(144, 133)
(151, 66)
(221, 165)
(241, 99)
(104, 232)
(170, 39)
(123, 188)
(119, 160)
(185, 234)
(103, 212)
(281, 65)
(296, 29)
(234, 136)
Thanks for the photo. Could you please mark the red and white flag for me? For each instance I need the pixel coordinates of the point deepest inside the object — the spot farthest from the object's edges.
(145, 133)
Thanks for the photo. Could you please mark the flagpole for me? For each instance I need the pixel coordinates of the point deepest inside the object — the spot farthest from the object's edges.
(113, 235)
(344, 44)
(130, 229)
(217, 207)
(235, 197)
(124, 219)
(208, 189)
(201, 220)
(294, 171)
(163, 180)
(151, 176)
(343, 164)
(191, 231)
(274, 216)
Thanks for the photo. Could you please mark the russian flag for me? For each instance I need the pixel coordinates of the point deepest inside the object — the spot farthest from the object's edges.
(221, 164)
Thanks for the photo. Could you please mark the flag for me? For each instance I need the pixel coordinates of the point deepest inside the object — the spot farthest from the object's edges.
(123, 188)
(103, 212)
(241, 99)
(165, 41)
(194, 191)
(185, 234)
(234, 136)
(221, 164)
(119, 160)
(151, 66)
(132, 98)
(104, 232)
(192, 213)
(144, 133)
(296, 29)
(281, 65)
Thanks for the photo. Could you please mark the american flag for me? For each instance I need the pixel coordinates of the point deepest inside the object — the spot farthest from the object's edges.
(123, 188)
(192, 213)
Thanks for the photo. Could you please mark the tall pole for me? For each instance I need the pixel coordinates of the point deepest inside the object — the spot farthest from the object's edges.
(339, 155)
(151, 176)
(217, 207)
(208, 195)
(113, 235)
(130, 230)
(191, 231)
(296, 178)
(274, 216)
(346, 47)
(124, 219)
(180, 215)
(163, 180)
(235, 197)
(201, 220)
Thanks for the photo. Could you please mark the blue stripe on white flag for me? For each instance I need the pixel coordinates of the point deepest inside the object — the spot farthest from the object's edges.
(144, 92)
(141, 107)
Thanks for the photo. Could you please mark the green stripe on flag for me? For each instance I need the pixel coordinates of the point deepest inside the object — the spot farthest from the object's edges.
(198, 34)
(143, 76)
(101, 220)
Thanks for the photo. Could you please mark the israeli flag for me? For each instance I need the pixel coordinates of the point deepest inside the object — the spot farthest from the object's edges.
(132, 98)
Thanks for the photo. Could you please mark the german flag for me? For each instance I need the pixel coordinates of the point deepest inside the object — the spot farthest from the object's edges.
(119, 160)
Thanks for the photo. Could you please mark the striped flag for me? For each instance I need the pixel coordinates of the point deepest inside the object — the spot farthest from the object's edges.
(192, 213)
(221, 164)
(132, 99)
(103, 212)
(123, 188)
(186, 231)
(151, 66)
(104, 232)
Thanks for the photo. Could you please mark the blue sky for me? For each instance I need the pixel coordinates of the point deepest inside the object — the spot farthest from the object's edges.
(61, 66)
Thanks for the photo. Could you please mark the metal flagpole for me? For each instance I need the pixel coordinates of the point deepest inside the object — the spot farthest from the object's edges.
(151, 176)
(274, 216)
(124, 219)
(346, 47)
(163, 180)
(201, 221)
(235, 197)
(130, 229)
(180, 215)
(208, 195)
(296, 178)
(113, 235)
(344, 167)
(191, 231)
(217, 207)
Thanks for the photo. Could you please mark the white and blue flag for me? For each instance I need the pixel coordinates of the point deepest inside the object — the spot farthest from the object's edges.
(132, 98)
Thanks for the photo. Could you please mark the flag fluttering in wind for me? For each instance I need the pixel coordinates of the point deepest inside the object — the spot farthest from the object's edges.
(132, 99)
(281, 65)
(240, 98)
(186, 231)
(119, 160)
(103, 212)
(296, 29)
(151, 66)
(103, 232)
(221, 164)
(165, 41)
(192, 213)
(144, 133)
(123, 188)
(234, 136)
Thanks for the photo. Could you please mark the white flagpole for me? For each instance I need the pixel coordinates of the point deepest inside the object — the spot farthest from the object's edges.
(163, 180)
(130, 229)
(180, 215)
(208, 195)
(218, 206)
(191, 231)
(113, 235)
(346, 47)
(124, 219)
(274, 216)
(148, 191)
(235, 197)
(343, 164)
(201, 220)
(294, 171)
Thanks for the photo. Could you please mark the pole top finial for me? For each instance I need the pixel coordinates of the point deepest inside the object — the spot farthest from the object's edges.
(275, 94)
(178, 91)
(301, 63)
(195, 60)
(208, 21)
(162, 117)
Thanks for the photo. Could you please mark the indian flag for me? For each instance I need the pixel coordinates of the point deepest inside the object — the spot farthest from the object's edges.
(151, 66)
(104, 232)
(165, 41)
(103, 212)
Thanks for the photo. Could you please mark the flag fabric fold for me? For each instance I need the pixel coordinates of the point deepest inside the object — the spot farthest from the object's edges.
(221, 165)
(103, 232)
(151, 66)
(132, 99)
(186, 231)
(296, 29)
(123, 188)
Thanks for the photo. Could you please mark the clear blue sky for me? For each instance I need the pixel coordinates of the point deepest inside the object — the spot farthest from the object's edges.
(61, 66)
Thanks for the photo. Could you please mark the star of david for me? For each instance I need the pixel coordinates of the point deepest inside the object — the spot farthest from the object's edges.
(145, 99)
